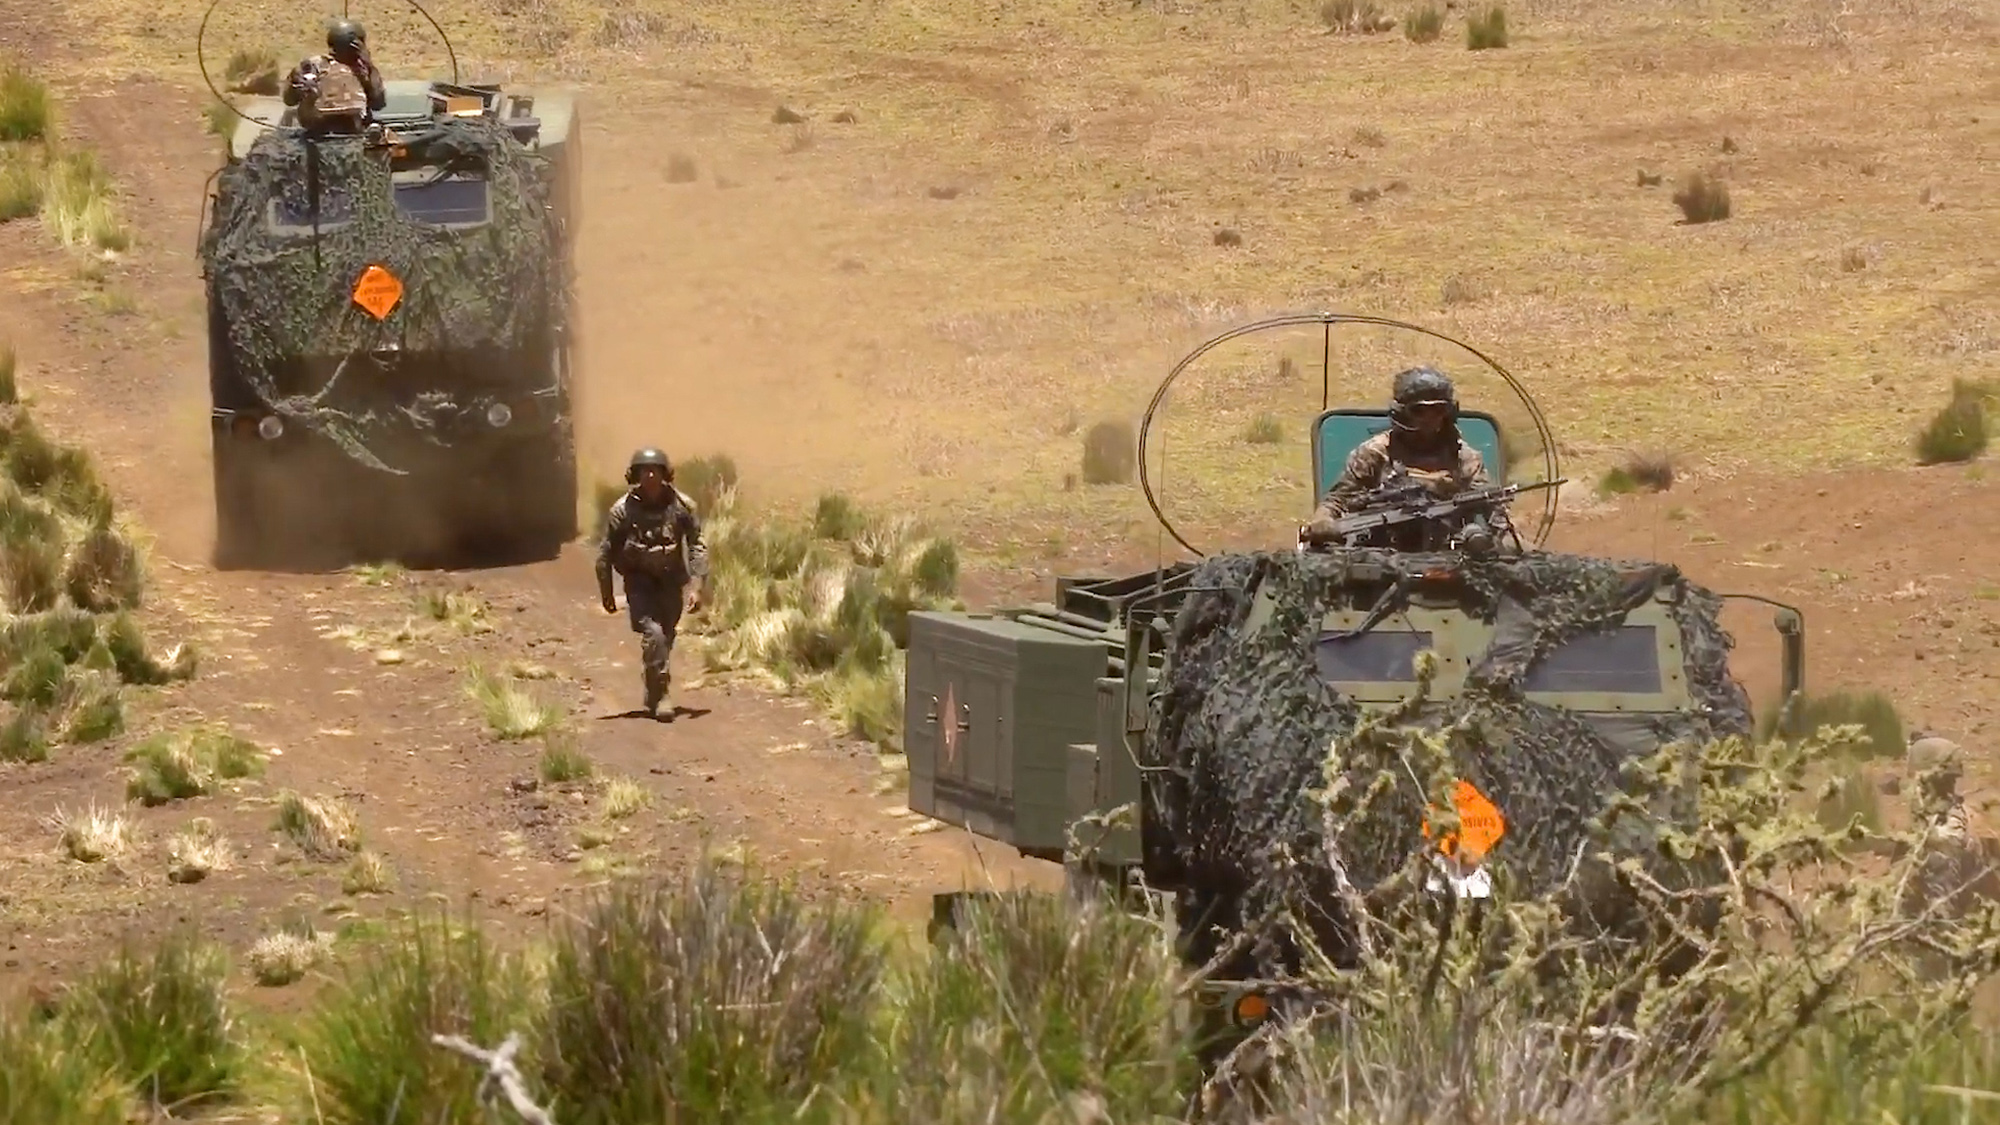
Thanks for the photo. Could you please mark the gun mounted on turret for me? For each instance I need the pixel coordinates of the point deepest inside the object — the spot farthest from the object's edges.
(1403, 515)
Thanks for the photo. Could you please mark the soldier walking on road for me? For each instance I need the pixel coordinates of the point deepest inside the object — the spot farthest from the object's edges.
(652, 536)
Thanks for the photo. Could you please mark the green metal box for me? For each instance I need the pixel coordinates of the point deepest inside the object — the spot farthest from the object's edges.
(991, 707)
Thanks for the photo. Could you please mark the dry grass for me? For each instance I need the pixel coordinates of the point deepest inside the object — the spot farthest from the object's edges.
(510, 712)
(178, 765)
(563, 760)
(285, 957)
(624, 798)
(27, 113)
(198, 851)
(368, 874)
(91, 835)
(320, 827)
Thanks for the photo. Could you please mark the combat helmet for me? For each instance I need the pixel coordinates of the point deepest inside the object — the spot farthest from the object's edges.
(345, 35)
(1421, 386)
(648, 456)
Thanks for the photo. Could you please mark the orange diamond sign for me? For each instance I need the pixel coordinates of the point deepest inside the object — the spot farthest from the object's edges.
(378, 292)
(1478, 819)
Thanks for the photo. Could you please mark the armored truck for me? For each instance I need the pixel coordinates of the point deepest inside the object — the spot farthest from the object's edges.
(392, 339)
(1176, 733)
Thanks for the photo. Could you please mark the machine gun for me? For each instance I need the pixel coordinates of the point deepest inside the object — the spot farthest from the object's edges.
(1393, 512)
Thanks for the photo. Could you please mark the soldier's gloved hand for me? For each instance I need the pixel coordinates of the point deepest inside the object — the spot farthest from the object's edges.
(694, 600)
(610, 604)
(1320, 530)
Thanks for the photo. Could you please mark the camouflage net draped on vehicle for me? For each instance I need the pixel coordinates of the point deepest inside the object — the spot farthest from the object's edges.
(283, 291)
(1280, 795)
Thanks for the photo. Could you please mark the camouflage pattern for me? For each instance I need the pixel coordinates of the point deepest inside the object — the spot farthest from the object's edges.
(1259, 786)
(658, 549)
(1445, 468)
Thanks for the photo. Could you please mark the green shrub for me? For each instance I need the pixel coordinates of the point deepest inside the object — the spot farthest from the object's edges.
(1875, 713)
(1424, 25)
(1029, 1005)
(178, 765)
(1703, 199)
(27, 113)
(366, 1047)
(46, 1078)
(160, 1021)
(1110, 453)
(1265, 429)
(1959, 431)
(713, 997)
(1486, 30)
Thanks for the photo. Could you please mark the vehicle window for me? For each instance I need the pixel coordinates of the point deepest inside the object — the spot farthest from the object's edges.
(1625, 659)
(447, 202)
(293, 213)
(1374, 657)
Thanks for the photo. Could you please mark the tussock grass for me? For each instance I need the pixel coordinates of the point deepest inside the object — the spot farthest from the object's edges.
(9, 391)
(252, 70)
(365, 1055)
(713, 997)
(624, 798)
(178, 765)
(77, 205)
(1703, 199)
(368, 874)
(511, 712)
(1648, 472)
(93, 834)
(198, 851)
(1486, 30)
(44, 1077)
(1960, 430)
(1881, 732)
(1424, 25)
(563, 760)
(321, 827)
(1265, 429)
(285, 957)
(161, 1021)
(461, 610)
(1110, 453)
(827, 615)
(27, 112)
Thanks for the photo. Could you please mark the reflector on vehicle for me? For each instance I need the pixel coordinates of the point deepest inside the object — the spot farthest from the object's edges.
(378, 292)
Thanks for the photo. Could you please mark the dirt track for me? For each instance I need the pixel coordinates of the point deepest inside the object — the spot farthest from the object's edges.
(402, 741)
(1911, 610)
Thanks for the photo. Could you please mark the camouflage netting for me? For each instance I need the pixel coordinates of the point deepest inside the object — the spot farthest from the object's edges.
(1276, 800)
(488, 294)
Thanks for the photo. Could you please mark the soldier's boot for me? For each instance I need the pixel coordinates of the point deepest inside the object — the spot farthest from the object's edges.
(656, 689)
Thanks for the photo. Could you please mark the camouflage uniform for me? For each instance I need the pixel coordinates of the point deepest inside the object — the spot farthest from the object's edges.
(345, 87)
(1443, 464)
(658, 549)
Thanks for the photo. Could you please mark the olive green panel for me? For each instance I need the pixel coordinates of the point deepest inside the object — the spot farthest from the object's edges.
(1460, 641)
(991, 708)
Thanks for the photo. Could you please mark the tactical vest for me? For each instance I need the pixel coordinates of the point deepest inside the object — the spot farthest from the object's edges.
(337, 96)
(652, 542)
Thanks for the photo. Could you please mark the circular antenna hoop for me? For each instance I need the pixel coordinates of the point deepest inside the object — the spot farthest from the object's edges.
(1551, 464)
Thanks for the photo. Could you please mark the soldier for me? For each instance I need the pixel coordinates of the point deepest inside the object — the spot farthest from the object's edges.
(1422, 445)
(652, 536)
(337, 92)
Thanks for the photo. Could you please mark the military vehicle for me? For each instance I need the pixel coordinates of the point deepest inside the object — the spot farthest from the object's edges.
(392, 341)
(1160, 733)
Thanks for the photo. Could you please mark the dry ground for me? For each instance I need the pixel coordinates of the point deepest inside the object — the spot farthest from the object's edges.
(995, 227)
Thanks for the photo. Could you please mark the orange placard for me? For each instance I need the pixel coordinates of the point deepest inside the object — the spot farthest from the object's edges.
(377, 292)
(1478, 819)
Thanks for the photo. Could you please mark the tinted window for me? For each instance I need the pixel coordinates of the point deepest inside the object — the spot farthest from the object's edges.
(1626, 659)
(443, 202)
(295, 211)
(1375, 657)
